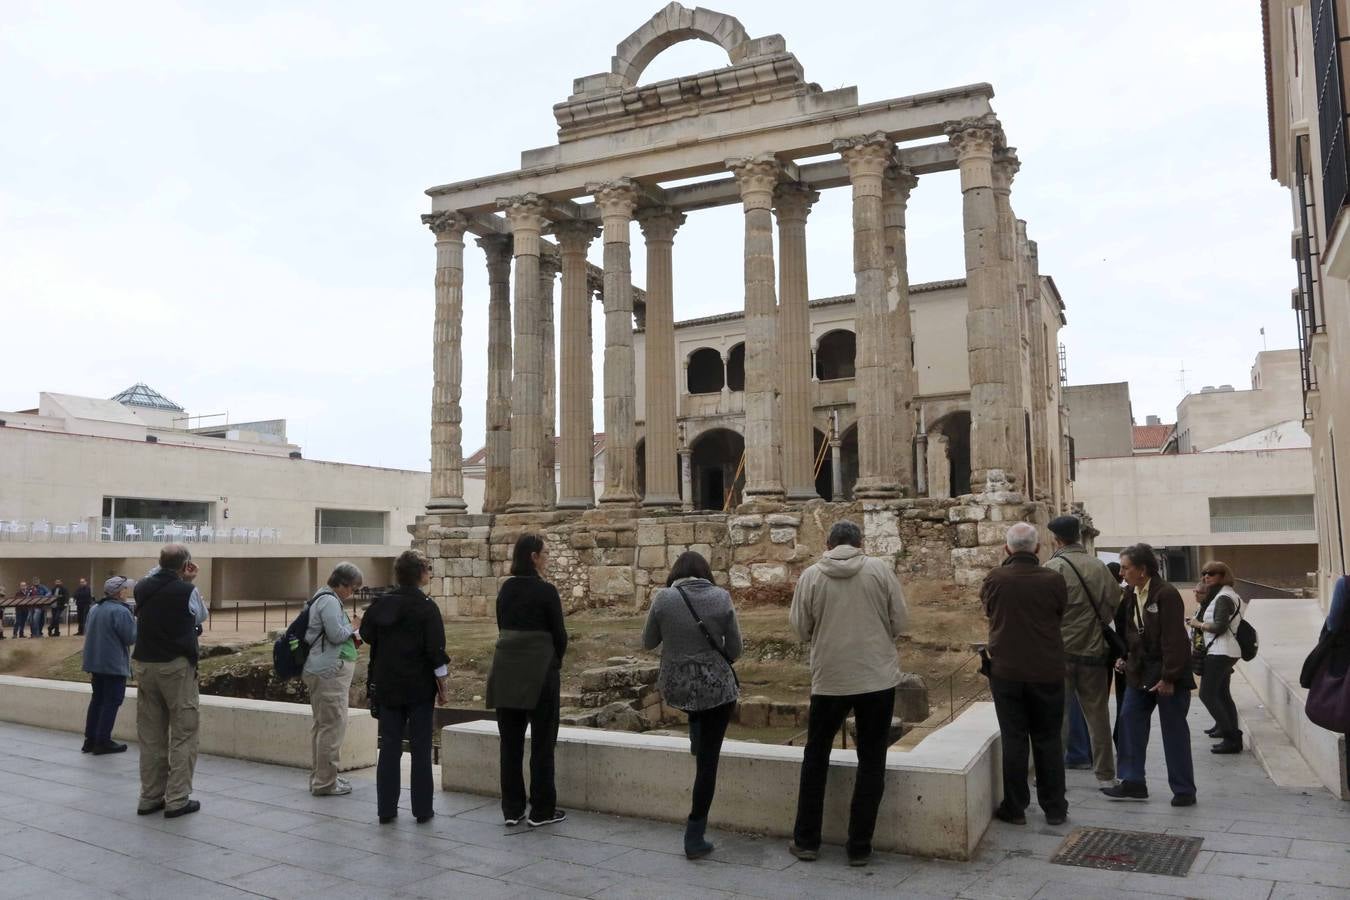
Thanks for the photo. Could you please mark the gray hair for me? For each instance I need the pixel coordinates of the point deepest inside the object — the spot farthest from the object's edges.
(345, 575)
(844, 532)
(1022, 538)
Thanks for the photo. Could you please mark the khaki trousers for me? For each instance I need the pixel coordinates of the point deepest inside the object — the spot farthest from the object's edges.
(1092, 684)
(328, 698)
(166, 726)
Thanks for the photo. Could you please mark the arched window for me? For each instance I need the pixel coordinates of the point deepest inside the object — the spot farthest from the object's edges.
(736, 368)
(705, 371)
(835, 355)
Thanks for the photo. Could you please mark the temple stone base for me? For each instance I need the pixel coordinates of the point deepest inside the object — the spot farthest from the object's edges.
(619, 558)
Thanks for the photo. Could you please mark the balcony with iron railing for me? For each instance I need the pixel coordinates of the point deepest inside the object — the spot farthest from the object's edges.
(1248, 524)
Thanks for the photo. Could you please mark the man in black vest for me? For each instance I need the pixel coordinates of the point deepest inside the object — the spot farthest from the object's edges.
(165, 663)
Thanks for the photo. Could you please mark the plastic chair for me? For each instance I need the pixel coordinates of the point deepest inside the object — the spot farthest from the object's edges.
(40, 527)
(105, 533)
(253, 535)
(61, 531)
(190, 533)
(237, 533)
(79, 531)
(206, 534)
(131, 533)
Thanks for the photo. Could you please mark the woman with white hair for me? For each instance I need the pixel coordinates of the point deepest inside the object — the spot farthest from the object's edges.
(110, 632)
(332, 639)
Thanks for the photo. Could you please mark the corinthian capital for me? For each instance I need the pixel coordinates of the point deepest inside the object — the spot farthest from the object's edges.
(617, 198)
(574, 236)
(792, 201)
(865, 154)
(524, 212)
(756, 175)
(975, 137)
(659, 223)
(897, 182)
(446, 224)
(1006, 167)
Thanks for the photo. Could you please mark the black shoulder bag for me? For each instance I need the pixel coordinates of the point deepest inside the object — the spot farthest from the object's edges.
(712, 641)
(1116, 648)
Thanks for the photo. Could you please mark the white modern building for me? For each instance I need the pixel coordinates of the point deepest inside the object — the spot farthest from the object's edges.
(92, 487)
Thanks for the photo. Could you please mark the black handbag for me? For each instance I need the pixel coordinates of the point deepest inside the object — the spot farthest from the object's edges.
(1116, 648)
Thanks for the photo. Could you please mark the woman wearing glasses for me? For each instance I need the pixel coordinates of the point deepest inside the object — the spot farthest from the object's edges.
(1216, 637)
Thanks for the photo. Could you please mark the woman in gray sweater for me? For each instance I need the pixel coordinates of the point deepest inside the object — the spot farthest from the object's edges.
(694, 624)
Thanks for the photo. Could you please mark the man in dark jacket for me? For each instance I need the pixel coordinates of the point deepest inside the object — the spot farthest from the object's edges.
(1157, 675)
(165, 660)
(1025, 603)
(60, 604)
(84, 598)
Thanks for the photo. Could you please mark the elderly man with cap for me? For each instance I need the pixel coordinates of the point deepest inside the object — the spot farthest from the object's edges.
(1094, 595)
(109, 633)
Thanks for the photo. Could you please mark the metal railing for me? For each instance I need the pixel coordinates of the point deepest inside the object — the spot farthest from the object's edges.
(349, 534)
(1301, 522)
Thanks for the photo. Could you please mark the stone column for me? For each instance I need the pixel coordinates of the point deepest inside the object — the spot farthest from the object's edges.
(896, 187)
(686, 473)
(990, 455)
(578, 427)
(616, 201)
(939, 466)
(548, 273)
(725, 403)
(867, 157)
(1004, 170)
(792, 204)
(756, 177)
(497, 465)
(658, 227)
(836, 468)
(447, 364)
(1039, 369)
(525, 215)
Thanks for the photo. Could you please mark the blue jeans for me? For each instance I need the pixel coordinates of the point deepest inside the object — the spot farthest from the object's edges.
(1135, 717)
(109, 691)
(37, 617)
(20, 620)
(1079, 749)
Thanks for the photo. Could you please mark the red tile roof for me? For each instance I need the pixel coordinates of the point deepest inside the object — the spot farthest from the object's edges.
(1151, 437)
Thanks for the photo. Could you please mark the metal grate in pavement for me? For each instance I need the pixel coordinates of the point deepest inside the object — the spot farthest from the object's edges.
(1128, 851)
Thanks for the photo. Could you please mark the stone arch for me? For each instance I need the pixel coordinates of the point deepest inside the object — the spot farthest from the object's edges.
(836, 355)
(706, 373)
(953, 440)
(715, 457)
(736, 367)
(671, 26)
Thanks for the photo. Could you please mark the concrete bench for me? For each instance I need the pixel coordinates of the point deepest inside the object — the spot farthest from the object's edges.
(939, 796)
(1289, 630)
(259, 730)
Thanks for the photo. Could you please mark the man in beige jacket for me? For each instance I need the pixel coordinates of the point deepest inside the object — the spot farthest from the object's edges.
(851, 609)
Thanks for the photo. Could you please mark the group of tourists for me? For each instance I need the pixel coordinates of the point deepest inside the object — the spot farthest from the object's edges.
(1063, 635)
(39, 610)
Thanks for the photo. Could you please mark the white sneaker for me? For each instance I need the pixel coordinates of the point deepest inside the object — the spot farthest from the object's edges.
(1106, 783)
(336, 790)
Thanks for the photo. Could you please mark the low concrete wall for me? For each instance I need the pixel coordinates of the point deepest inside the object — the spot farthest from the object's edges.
(1289, 630)
(258, 730)
(938, 802)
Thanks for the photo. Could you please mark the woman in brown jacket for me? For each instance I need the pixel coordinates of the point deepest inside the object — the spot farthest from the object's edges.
(1158, 675)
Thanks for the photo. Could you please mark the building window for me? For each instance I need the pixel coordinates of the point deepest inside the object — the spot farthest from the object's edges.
(349, 526)
(1330, 83)
(736, 368)
(705, 374)
(141, 518)
(835, 356)
(1277, 513)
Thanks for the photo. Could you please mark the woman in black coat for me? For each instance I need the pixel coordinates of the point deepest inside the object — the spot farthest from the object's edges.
(408, 671)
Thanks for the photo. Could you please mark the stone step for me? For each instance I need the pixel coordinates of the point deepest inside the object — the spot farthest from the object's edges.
(1267, 741)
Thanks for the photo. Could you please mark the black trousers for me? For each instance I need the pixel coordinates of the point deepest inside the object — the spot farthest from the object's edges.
(707, 729)
(1031, 715)
(543, 723)
(1217, 694)
(413, 721)
(81, 613)
(873, 712)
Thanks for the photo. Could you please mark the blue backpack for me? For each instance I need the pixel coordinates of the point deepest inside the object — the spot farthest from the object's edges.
(290, 651)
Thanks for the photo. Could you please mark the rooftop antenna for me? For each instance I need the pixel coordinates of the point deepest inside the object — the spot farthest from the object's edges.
(1263, 339)
(1181, 378)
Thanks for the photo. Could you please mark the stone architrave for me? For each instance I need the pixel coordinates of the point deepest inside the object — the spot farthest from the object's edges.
(447, 417)
(756, 178)
(896, 186)
(974, 141)
(792, 205)
(576, 448)
(549, 265)
(616, 201)
(497, 464)
(525, 216)
(1004, 170)
(867, 157)
(659, 225)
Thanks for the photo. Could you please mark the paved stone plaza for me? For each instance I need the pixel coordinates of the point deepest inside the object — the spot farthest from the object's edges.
(70, 830)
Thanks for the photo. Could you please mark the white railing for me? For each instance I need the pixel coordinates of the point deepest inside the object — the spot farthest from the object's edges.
(1300, 522)
(349, 534)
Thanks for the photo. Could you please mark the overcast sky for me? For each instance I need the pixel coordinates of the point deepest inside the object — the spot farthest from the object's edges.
(222, 200)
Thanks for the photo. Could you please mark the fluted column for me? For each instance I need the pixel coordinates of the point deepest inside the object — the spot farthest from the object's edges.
(974, 140)
(792, 204)
(577, 490)
(447, 364)
(756, 178)
(548, 274)
(867, 157)
(1004, 170)
(525, 216)
(1039, 368)
(658, 227)
(896, 186)
(616, 201)
(497, 465)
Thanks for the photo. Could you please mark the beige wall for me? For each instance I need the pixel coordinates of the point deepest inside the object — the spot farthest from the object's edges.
(1164, 500)
(1207, 419)
(1100, 419)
